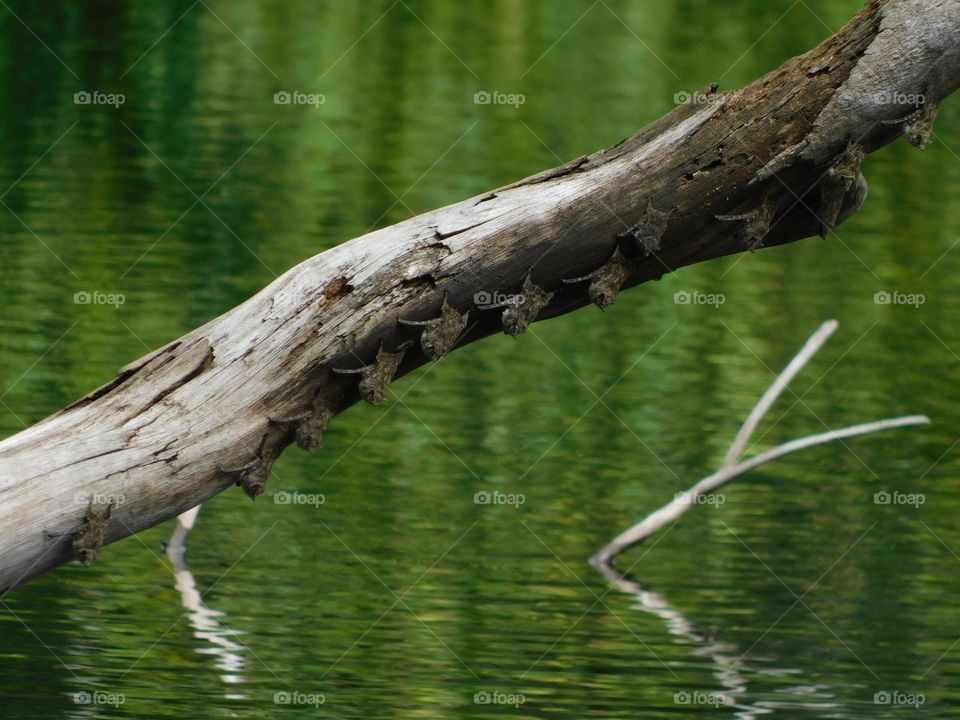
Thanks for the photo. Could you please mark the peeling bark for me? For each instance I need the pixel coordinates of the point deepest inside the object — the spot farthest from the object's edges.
(218, 406)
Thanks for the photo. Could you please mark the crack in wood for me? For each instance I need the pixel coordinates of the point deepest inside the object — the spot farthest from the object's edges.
(196, 360)
(149, 362)
(453, 233)
(570, 168)
(333, 291)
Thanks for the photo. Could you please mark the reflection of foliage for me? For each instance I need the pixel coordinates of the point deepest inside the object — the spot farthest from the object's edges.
(399, 100)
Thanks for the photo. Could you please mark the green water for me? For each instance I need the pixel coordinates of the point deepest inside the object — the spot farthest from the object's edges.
(399, 596)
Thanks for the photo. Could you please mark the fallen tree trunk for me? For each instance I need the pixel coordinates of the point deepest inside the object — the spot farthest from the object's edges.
(774, 162)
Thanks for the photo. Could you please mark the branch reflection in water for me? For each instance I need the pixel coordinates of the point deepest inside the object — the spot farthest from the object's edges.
(725, 657)
(207, 623)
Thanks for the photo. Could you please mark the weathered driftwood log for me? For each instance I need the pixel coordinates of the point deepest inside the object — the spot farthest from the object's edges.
(774, 162)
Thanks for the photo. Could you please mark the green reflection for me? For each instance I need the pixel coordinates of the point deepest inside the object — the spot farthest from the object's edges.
(495, 597)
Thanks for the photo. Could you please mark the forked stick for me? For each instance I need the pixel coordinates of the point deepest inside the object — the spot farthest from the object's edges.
(730, 468)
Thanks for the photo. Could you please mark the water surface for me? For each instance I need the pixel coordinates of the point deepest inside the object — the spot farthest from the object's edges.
(399, 596)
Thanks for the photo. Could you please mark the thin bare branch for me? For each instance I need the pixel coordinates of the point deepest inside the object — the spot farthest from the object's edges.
(810, 349)
(731, 469)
